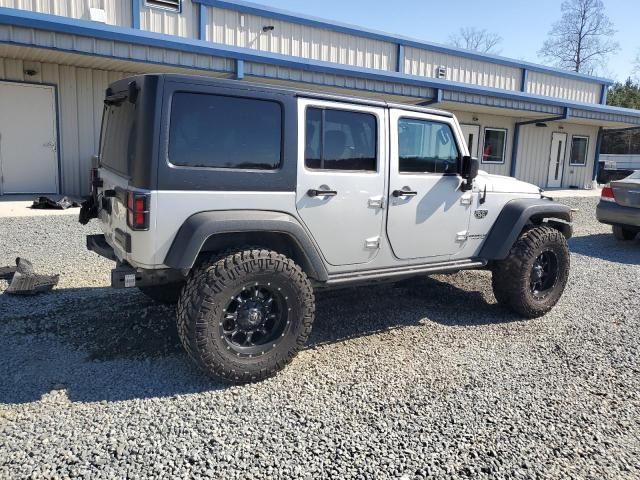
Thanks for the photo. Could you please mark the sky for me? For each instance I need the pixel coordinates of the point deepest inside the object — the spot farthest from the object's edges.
(523, 25)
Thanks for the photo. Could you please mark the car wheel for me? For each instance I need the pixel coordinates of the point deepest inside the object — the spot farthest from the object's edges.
(245, 316)
(532, 278)
(623, 234)
(166, 294)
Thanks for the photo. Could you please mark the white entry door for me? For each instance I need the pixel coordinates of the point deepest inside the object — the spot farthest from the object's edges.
(556, 159)
(28, 139)
(472, 136)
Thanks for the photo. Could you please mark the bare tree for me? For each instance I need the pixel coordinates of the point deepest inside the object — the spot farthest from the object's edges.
(582, 39)
(472, 38)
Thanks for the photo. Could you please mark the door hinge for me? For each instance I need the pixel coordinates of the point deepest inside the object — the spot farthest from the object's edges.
(466, 199)
(376, 202)
(372, 243)
(462, 236)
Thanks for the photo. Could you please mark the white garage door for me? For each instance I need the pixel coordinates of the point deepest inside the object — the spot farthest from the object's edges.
(28, 140)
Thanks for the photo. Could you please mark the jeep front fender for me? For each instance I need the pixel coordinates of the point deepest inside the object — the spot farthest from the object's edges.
(199, 228)
(515, 215)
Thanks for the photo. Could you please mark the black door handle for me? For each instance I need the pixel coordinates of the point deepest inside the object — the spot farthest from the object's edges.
(322, 193)
(404, 193)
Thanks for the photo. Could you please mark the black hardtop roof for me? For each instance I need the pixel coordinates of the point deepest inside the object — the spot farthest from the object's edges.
(122, 85)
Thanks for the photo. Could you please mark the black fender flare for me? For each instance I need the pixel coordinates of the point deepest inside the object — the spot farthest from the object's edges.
(515, 215)
(202, 226)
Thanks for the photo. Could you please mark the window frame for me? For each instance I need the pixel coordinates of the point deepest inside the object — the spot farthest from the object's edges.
(324, 108)
(504, 145)
(586, 151)
(226, 169)
(454, 137)
(165, 8)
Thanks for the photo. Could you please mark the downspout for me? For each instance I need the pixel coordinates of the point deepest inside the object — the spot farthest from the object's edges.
(596, 162)
(516, 136)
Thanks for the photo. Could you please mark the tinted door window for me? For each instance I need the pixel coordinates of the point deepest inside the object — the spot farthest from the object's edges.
(340, 140)
(426, 147)
(225, 132)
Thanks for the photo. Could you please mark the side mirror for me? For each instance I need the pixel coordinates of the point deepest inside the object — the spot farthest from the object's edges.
(469, 171)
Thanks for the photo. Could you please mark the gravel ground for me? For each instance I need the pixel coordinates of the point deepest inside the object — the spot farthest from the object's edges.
(428, 379)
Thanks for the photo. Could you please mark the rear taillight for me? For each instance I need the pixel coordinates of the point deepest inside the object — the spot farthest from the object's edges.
(138, 211)
(607, 194)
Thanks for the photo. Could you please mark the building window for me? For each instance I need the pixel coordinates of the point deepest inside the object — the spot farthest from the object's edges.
(340, 140)
(214, 131)
(173, 5)
(426, 147)
(494, 148)
(579, 148)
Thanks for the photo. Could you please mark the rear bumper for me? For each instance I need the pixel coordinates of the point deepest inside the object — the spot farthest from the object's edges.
(126, 276)
(613, 214)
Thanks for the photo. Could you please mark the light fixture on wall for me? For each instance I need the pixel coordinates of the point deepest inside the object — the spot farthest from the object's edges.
(268, 28)
(30, 72)
(475, 118)
(541, 125)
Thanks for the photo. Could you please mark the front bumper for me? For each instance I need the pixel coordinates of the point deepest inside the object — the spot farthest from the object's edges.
(613, 214)
(126, 276)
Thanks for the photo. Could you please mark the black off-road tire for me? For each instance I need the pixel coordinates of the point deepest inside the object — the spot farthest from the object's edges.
(512, 277)
(623, 234)
(165, 294)
(206, 296)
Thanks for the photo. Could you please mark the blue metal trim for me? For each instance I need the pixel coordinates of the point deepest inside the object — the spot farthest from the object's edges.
(400, 59)
(516, 136)
(239, 69)
(279, 14)
(596, 161)
(525, 80)
(202, 22)
(135, 14)
(65, 25)
(438, 98)
(603, 94)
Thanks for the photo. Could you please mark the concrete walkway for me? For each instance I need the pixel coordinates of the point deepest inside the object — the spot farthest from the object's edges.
(19, 206)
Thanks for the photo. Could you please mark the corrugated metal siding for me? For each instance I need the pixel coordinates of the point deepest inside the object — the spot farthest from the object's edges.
(335, 81)
(535, 149)
(105, 48)
(424, 63)
(80, 93)
(547, 85)
(488, 101)
(226, 27)
(118, 12)
(183, 24)
(491, 121)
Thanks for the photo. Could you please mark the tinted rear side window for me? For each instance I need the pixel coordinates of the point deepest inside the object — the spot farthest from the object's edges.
(340, 140)
(118, 136)
(216, 131)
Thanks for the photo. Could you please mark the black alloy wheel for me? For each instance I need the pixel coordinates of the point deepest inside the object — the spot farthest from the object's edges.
(544, 274)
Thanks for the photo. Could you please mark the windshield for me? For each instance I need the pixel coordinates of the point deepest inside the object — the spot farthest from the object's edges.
(118, 136)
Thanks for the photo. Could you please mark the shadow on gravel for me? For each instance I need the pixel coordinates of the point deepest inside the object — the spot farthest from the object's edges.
(104, 345)
(605, 247)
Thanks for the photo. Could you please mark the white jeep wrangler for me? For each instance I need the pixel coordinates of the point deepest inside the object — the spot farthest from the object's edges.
(238, 200)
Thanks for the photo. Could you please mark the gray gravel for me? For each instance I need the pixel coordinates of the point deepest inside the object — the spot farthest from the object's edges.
(428, 379)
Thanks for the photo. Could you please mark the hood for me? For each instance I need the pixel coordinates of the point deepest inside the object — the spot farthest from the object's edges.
(502, 184)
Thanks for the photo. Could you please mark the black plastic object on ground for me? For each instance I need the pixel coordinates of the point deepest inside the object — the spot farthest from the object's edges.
(46, 203)
(26, 281)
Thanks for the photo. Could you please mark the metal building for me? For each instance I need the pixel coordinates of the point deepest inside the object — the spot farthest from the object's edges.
(540, 124)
